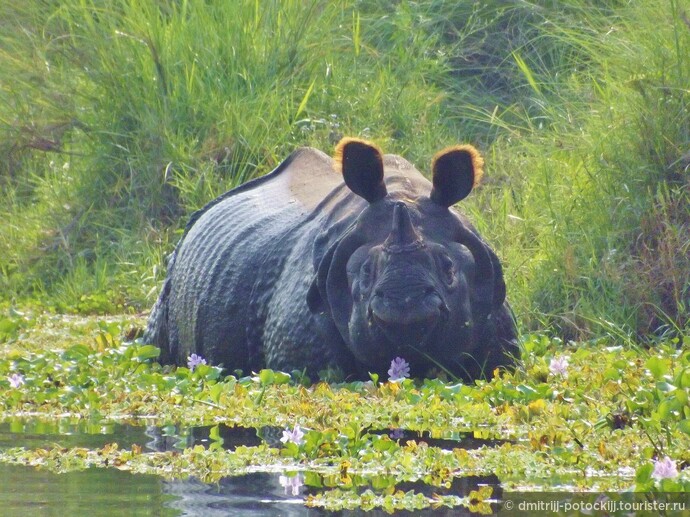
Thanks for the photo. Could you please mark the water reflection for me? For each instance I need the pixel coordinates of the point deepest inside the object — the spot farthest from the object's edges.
(258, 494)
(175, 437)
(178, 437)
(264, 494)
(94, 492)
(35, 434)
(108, 491)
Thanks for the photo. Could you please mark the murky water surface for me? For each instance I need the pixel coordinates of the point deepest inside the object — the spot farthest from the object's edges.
(108, 491)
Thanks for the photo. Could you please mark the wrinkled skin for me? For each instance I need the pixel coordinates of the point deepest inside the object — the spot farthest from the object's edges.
(297, 270)
(405, 300)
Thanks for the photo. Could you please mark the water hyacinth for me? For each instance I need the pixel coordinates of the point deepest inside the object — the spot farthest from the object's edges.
(16, 380)
(195, 360)
(295, 436)
(400, 369)
(559, 365)
(665, 469)
(397, 434)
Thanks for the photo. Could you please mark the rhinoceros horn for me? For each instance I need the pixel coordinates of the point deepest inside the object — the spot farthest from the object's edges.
(403, 236)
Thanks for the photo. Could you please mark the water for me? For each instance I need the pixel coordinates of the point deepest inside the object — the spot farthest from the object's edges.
(28, 491)
(108, 491)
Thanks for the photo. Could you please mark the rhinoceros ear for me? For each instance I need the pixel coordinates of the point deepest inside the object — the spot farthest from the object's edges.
(361, 164)
(456, 171)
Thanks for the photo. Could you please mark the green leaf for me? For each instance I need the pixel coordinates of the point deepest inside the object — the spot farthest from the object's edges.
(267, 377)
(684, 425)
(383, 443)
(76, 353)
(305, 99)
(529, 392)
(644, 473)
(413, 398)
(8, 329)
(621, 364)
(281, 378)
(215, 391)
(290, 449)
(665, 387)
(658, 367)
(383, 482)
(527, 72)
(612, 374)
(312, 440)
(147, 352)
(682, 380)
(312, 479)
(664, 410)
(214, 434)
(356, 32)
(351, 431)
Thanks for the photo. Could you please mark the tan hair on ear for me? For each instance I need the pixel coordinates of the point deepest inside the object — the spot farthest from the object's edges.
(477, 160)
(340, 150)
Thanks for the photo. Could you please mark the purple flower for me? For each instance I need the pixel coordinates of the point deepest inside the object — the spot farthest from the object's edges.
(195, 360)
(397, 434)
(292, 484)
(16, 380)
(559, 365)
(665, 468)
(400, 369)
(295, 436)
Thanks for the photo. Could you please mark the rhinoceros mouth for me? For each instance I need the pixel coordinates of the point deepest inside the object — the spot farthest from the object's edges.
(405, 335)
(400, 335)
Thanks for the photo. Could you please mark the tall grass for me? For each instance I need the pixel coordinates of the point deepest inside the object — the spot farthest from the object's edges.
(122, 117)
(588, 166)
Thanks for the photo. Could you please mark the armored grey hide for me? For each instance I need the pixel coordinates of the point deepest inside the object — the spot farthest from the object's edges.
(309, 269)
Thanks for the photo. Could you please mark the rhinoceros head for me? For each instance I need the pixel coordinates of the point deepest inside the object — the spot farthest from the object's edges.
(408, 278)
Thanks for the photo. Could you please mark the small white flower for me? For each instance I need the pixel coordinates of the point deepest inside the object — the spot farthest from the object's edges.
(665, 468)
(559, 365)
(16, 380)
(295, 436)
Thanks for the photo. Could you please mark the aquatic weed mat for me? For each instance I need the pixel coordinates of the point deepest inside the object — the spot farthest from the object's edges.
(586, 417)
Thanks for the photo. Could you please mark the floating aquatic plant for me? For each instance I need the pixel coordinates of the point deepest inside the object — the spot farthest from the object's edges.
(621, 414)
(400, 369)
(195, 360)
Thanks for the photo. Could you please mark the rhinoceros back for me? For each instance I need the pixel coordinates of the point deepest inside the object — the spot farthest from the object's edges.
(223, 273)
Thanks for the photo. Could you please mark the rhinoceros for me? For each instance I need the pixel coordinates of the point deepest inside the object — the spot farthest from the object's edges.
(307, 269)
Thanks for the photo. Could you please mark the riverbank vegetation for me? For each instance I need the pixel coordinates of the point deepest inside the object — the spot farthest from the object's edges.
(121, 118)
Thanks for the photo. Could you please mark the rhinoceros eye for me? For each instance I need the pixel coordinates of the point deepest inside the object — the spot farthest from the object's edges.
(366, 275)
